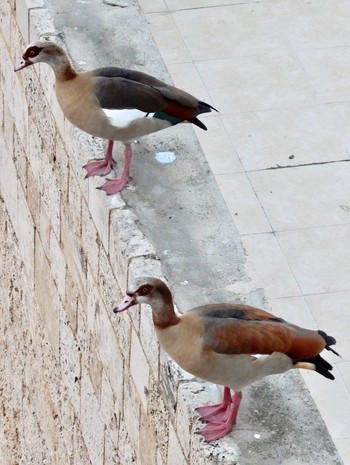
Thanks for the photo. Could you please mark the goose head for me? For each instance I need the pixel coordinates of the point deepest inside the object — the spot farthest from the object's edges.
(42, 51)
(146, 290)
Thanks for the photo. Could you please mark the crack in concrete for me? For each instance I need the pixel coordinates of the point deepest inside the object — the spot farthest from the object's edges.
(304, 164)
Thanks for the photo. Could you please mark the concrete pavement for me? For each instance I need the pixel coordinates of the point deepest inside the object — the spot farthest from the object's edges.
(278, 71)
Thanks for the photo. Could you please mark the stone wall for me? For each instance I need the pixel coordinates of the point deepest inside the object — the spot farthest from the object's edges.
(79, 385)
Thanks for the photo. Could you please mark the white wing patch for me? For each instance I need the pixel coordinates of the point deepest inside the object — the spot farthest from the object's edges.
(122, 118)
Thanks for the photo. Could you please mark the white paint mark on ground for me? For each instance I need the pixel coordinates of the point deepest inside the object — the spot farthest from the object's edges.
(165, 157)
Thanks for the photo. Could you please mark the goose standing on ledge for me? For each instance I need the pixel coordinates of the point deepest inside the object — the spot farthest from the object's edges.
(221, 343)
(114, 104)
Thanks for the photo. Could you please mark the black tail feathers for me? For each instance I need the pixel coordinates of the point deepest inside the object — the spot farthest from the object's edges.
(202, 108)
(321, 365)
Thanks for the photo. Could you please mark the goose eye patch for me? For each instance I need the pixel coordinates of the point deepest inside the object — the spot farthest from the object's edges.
(32, 52)
(144, 290)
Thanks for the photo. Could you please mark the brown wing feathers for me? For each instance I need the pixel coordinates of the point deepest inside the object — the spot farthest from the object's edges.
(235, 329)
(118, 88)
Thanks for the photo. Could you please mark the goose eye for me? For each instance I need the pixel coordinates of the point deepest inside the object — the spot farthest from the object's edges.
(144, 290)
(32, 53)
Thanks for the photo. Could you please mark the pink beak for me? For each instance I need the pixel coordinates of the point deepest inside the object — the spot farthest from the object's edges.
(128, 302)
(23, 64)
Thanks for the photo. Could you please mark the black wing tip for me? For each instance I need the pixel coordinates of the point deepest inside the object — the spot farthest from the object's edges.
(206, 108)
(324, 372)
(321, 366)
(329, 340)
(198, 123)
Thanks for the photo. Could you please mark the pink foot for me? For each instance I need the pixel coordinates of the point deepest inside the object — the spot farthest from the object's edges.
(112, 186)
(215, 430)
(101, 167)
(216, 412)
(221, 418)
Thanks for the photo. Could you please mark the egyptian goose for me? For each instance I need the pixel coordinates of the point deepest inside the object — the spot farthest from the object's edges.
(228, 344)
(114, 104)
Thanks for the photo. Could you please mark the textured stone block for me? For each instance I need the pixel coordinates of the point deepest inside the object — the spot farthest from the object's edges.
(68, 419)
(107, 409)
(36, 447)
(158, 414)
(44, 228)
(80, 147)
(83, 334)
(107, 283)
(33, 196)
(170, 376)
(1, 108)
(91, 424)
(144, 266)
(61, 166)
(5, 19)
(18, 41)
(99, 211)
(92, 302)
(8, 75)
(108, 348)
(70, 359)
(122, 327)
(149, 339)
(175, 452)
(81, 454)
(36, 156)
(126, 450)
(51, 200)
(95, 369)
(147, 452)
(131, 414)
(71, 302)
(22, 15)
(20, 159)
(139, 368)
(59, 270)
(189, 396)
(8, 184)
(126, 241)
(46, 295)
(40, 24)
(26, 234)
(90, 241)
(71, 249)
(111, 452)
(8, 129)
(74, 205)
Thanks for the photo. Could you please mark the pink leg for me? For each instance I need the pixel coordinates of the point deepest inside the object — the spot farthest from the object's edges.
(101, 167)
(112, 186)
(217, 411)
(217, 429)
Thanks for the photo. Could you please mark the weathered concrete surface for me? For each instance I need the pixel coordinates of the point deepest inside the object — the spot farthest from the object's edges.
(124, 400)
